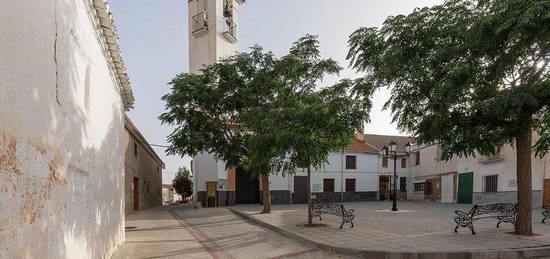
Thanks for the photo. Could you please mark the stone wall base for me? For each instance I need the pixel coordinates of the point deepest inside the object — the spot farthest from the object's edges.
(348, 196)
(493, 197)
(277, 197)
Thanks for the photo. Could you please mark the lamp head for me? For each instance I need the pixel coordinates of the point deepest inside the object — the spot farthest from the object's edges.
(392, 146)
(408, 147)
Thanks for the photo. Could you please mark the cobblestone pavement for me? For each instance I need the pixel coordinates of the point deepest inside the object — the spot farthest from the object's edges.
(419, 227)
(183, 232)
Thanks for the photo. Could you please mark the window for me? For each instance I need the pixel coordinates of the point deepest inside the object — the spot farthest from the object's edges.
(135, 149)
(403, 162)
(328, 185)
(403, 184)
(419, 187)
(385, 162)
(428, 188)
(350, 185)
(351, 162)
(490, 183)
(417, 158)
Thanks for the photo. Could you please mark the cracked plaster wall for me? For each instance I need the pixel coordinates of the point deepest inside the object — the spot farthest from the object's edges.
(61, 134)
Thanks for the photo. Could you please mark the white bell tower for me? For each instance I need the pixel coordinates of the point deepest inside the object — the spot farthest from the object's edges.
(213, 31)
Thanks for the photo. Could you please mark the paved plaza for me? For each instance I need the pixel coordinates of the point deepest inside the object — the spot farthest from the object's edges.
(183, 232)
(420, 228)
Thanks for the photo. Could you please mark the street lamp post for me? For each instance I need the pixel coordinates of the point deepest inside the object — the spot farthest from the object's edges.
(390, 151)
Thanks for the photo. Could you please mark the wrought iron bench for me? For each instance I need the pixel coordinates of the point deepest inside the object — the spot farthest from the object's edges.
(545, 214)
(504, 212)
(320, 207)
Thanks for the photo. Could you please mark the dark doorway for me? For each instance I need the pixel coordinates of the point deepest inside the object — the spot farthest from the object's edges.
(300, 190)
(136, 193)
(247, 190)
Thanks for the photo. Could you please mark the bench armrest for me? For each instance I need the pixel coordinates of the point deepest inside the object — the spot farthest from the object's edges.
(462, 214)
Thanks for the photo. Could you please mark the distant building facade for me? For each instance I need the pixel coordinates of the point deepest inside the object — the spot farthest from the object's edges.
(352, 174)
(479, 179)
(143, 172)
(63, 94)
(169, 195)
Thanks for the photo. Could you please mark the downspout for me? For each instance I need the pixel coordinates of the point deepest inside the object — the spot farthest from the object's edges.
(342, 178)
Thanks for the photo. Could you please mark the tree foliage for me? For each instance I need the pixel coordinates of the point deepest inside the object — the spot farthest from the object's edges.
(469, 75)
(182, 182)
(264, 113)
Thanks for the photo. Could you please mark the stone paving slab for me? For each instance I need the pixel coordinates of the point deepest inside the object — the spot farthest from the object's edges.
(184, 232)
(427, 230)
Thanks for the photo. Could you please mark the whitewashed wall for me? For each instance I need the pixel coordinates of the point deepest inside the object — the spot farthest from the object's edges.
(504, 168)
(206, 168)
(61, 134)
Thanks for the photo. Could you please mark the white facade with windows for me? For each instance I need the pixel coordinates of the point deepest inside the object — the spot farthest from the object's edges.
(493, 178)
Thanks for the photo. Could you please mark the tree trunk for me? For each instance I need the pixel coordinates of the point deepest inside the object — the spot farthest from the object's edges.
(266, 194)
(524, 185)
(309, 204)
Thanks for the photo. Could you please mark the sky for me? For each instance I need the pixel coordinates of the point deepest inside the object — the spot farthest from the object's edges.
(153, 39)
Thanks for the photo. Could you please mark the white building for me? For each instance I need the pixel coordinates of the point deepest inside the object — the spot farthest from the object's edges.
(351, 175)
(479, 179)
(63, 93)
(213, 27)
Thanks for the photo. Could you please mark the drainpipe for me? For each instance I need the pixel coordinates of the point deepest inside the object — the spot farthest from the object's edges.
(342, 178)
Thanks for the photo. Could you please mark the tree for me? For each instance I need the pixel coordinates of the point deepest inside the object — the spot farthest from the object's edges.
(182, 182)
(207, 108)
(305, 122)
(469, 75)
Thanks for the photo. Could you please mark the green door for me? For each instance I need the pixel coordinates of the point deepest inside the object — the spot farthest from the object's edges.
(465, 188)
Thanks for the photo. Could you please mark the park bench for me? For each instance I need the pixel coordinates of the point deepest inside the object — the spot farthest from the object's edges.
(545, 214)
(320, 207)
(504, 212)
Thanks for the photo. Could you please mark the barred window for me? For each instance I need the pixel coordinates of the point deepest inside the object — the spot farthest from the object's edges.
(419, 187)
(491, 183)
(351, 162)
(385, 162)
(350, 185)
(328, 185)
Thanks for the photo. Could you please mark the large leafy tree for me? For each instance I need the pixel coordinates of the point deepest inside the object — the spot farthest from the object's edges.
(294, 80)
(207, 108)
(470, 75)
(308, 121)
(182, 182)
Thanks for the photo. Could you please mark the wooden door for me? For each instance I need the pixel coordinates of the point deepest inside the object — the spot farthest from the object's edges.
(211, 194)
(300, 190)
(546, 198)
(384, 187)
(136, 193)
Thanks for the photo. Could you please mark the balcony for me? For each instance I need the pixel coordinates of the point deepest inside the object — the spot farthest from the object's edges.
(199, 24)
(490, 158)
(230, 30)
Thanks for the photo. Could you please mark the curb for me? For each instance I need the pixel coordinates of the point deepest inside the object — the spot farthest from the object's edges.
(528, 252)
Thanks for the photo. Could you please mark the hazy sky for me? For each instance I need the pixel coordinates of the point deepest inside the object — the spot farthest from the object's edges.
(153, 39)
